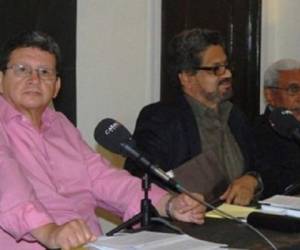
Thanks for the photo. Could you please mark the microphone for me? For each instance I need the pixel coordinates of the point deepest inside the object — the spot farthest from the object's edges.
(113, 136)
(284, 123)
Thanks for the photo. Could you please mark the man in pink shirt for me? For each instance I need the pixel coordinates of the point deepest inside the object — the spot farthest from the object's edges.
(51, 180)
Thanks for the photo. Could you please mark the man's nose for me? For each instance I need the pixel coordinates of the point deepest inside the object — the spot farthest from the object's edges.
(34, 75)
(228, 73)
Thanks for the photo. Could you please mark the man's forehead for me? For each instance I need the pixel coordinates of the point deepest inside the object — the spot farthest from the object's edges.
(289, 75)
(214, 54)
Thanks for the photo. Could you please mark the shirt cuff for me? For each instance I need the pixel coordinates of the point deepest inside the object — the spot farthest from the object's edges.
(21, 220)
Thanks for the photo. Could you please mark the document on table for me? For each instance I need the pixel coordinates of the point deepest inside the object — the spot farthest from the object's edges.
(240, 212)
(282, 204)
(147, 240)
(284, 201)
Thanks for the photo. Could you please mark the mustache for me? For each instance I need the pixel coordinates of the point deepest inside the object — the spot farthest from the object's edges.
(225, 81)
(295, 109)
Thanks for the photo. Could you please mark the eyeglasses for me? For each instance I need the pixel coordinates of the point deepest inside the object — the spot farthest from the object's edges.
(292, 89)
(25, 71)
(217, 70)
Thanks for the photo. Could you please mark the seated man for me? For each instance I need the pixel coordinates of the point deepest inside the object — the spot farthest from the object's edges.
(280, 156)
(51, 181)
(202, 119)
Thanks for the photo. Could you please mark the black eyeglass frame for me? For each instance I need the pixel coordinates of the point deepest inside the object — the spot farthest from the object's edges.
(215, 69)
(292, 90)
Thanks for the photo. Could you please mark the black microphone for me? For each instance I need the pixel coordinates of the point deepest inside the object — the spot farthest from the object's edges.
(113, 136)
(276, 222)
(284, 123)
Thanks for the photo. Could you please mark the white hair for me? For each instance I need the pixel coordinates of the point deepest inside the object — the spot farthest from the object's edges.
(272, 72)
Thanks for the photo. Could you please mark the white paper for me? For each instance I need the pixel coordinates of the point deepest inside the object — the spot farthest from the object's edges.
(283, 201)
(282, 205)
(152, 241)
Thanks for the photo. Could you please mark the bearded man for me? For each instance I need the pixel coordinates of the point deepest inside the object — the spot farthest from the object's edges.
(201, 119)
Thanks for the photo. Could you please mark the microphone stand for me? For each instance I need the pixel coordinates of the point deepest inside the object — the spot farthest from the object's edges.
(144, 217)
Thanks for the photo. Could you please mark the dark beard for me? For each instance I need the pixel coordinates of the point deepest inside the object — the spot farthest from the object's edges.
(227, 95)
(218, 98)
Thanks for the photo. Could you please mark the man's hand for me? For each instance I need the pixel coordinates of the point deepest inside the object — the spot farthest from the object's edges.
(183, 208)
(241, 191)
(67, 236)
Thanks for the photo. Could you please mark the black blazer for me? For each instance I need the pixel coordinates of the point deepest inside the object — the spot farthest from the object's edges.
(279, 157)
(167, 134)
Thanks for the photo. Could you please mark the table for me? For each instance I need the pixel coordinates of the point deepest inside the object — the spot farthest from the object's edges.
(235, 235)
(239, 235)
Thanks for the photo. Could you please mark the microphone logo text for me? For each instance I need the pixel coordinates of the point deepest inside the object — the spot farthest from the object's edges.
(113, 127)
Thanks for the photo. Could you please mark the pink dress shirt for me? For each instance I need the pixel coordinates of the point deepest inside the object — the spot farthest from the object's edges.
(52, 175)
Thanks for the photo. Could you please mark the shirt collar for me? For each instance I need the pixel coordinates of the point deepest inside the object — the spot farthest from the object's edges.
(8, 113)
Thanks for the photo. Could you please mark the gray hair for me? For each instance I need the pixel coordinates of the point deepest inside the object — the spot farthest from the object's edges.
(186, 48)
(272, 72)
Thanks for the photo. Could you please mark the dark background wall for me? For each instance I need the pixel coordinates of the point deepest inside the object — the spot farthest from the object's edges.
(239, 21)
(58, 19)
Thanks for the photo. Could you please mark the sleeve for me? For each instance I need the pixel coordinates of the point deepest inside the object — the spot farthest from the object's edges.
(20, 211)
(278, 159)
(153, 138)
(115, 189)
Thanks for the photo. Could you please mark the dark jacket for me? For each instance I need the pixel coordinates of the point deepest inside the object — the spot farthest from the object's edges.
(167, 133)
(279, 157)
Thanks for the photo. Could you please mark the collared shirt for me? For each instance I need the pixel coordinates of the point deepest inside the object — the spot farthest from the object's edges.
(52, 175)
(216, 136)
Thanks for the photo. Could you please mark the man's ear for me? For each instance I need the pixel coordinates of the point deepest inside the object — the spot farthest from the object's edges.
(185, 79)
(270, 97)
(56, 87)
(1, 82)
